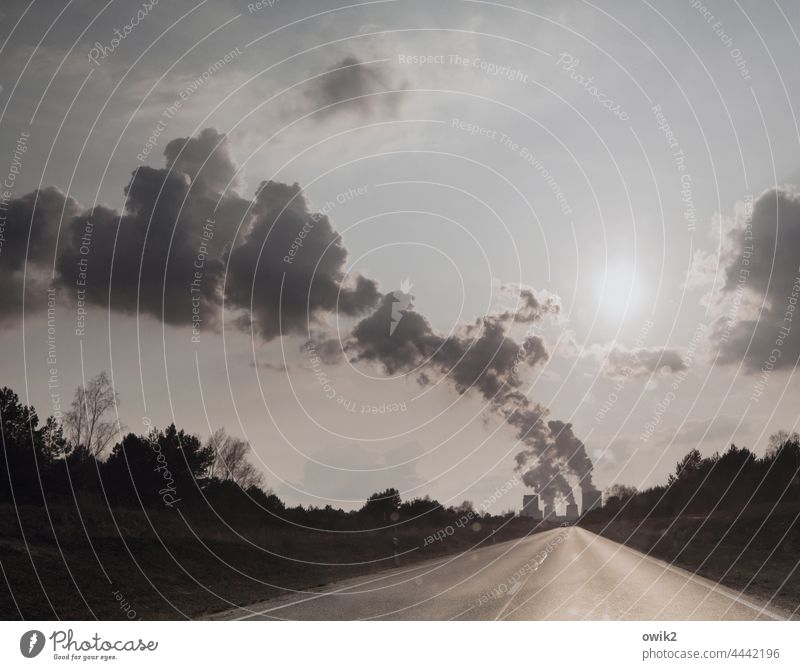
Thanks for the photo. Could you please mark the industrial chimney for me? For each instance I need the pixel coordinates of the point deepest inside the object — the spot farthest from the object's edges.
(572, 512)
(530, 507)
(591, 499)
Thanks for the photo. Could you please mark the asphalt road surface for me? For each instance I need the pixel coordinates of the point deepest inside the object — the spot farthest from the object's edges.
(561, 574)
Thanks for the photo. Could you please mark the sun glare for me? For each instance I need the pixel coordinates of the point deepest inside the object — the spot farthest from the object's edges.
(618, 291)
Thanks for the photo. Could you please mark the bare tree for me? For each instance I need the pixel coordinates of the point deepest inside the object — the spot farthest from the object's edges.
(231, 460)
(91, 422)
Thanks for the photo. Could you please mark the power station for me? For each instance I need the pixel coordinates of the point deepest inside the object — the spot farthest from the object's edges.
(591, 499)
(572, 512)
(530, 507)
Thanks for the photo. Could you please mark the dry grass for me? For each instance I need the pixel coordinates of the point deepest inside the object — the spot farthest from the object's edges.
(163, 570)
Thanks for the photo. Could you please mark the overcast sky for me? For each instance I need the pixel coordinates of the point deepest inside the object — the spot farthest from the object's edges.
(370, 199)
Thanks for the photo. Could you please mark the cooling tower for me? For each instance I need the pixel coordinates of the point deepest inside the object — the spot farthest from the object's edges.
(572, 512)
(591, 499)
(530, 507)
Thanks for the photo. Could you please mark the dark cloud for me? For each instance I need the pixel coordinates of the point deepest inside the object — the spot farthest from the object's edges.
(184, 239)
(479, 356)
(30, 226)
(206, 159)
(410, 345)
(176, 223)
(762, 265)
(368, 89)
(289, 270)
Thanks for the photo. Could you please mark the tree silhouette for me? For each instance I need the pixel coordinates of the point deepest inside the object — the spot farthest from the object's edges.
(90, 422)
(28, 450)
(383, 506)
(231, 460)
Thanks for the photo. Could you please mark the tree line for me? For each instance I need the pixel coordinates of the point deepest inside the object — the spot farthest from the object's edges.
(728, 482)
(77, 460)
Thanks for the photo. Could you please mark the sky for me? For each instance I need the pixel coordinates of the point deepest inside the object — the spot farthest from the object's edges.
(435, 246)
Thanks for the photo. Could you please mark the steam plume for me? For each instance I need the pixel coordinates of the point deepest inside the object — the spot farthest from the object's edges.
(481, 356)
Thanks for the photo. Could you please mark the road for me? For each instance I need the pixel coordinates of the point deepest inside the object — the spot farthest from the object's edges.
(560, 574)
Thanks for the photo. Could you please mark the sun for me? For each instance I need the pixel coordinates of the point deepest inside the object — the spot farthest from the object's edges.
(618, 291)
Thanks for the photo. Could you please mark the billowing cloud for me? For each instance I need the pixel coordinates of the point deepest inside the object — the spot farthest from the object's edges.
(185, 239)
(478, 355)
(206, 159)
(162, 255)
(289, 270)
(758, 325)
(30, 226)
